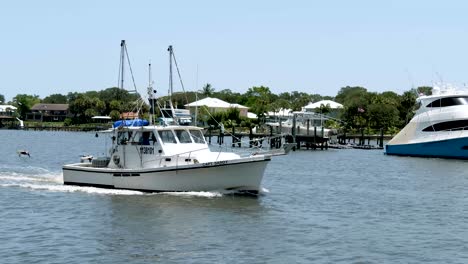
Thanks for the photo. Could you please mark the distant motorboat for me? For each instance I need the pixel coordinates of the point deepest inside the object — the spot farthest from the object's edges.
(438, 129)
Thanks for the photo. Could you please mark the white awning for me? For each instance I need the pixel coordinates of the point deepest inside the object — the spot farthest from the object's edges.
(101, 117)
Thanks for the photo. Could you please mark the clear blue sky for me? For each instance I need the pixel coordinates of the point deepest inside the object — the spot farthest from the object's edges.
(311, 46)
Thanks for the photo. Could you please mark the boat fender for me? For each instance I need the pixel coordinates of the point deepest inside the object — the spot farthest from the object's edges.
(195, 161)
(116, 159)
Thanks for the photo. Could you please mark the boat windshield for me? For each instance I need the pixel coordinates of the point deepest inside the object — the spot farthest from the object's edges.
(197, 136)
(144, 138)
(183, 135)
(167, 136)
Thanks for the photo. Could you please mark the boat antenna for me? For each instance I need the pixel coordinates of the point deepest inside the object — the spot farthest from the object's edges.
(196, 98)
(151, 94)
(170, 73)
(120, 81)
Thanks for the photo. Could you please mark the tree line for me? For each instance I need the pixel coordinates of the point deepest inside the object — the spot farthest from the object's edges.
(362, 109)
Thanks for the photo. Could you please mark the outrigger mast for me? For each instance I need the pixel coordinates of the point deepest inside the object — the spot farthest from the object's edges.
(123, 54)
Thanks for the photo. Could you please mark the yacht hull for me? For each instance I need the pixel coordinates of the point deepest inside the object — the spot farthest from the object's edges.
(238, 175)
(456, 148)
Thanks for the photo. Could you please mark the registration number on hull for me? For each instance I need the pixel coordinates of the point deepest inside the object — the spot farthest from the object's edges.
(215, 163)
(147, 150)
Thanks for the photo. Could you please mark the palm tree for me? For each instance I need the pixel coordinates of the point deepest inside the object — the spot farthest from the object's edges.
(207, 90)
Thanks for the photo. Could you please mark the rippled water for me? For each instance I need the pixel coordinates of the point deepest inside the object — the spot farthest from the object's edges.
(335, 206)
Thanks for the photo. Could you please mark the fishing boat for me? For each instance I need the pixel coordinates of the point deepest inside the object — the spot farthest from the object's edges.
(438, 129)
(169, 157)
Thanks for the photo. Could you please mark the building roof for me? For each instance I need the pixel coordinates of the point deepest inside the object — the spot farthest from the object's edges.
(214, 103)
(4, 108)
(239, 106)
(50, 107)
(129, 115)
(333, 105)
(101, 117)
(281, 112)
(251, 115)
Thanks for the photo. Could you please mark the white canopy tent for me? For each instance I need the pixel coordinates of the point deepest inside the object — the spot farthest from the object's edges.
(217, 105)
(313, 106)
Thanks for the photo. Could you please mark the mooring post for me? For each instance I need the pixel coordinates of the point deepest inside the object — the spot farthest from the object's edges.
(381, 138)
(308, 125)
(315, 135)
(233, 136)
(361, 140)
(250, 137)
(293, 128)
(272, 140)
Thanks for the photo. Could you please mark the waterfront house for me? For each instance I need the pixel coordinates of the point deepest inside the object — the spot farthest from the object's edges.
(7, 111)
(48, 113)
(7, 115)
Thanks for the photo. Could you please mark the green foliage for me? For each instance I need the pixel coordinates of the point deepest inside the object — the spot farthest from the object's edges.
(67, 122)
(323, 109)
(259, 99)
(350, 95)
(216, 118)
(2, 99)
(114, 115)
(426, 90)
(24, 102)
(207, 90)
(370, 111)
(405, 107)
(228, 96)
(55, 99)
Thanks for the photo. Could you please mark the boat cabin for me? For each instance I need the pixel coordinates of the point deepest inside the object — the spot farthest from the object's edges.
(147, 145)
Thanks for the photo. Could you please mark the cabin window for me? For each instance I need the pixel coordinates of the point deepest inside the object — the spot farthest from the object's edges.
(145, 138)
(167, 136)
(184, 136)
(448, 126)
(197, 136)
(449, 101)
(124, 137)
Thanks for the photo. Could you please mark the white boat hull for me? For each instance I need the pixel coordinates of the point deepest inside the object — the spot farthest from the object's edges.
(239, 175)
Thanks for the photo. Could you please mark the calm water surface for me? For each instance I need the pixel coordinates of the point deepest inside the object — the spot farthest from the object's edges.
(335, 206)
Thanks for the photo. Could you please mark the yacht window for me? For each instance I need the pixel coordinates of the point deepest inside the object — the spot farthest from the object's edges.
(449, 101)
(417, 105)
(448, 126)
(167, 136)
(197, 136)
(184, 136)
(435, 103)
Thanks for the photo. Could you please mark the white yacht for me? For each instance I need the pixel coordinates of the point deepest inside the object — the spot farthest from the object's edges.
(438, 129)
